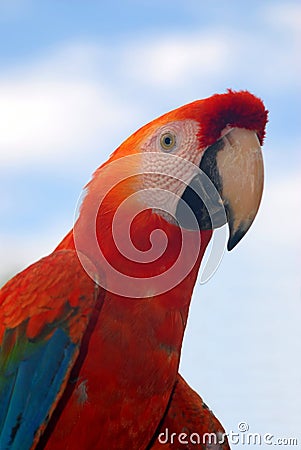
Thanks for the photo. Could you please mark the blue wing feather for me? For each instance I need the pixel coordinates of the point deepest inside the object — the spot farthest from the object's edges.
(34, 389)
(33, 369)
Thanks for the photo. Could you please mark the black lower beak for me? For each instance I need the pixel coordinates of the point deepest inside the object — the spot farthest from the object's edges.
(202, 195)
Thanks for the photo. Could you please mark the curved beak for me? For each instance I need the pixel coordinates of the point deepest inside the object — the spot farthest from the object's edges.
(234, 165)
(240, 166)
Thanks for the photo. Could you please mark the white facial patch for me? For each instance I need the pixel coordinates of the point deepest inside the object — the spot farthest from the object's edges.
(170, 159)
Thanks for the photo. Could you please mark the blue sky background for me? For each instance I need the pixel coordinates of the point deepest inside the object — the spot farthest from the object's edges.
(76, 78)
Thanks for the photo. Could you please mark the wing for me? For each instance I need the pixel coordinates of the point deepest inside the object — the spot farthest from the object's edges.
(188, 423)
(44, 312)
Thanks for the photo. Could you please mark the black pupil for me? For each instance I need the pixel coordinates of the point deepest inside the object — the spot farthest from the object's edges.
(167, 140)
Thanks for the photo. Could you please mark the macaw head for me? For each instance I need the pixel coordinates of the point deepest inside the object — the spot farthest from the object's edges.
(192, 169)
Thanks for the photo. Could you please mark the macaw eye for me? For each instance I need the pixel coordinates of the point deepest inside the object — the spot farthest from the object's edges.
(168, 141)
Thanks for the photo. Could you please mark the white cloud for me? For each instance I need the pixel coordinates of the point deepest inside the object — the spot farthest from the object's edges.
(171, 60)
(66, 100)
(285, 14)
(282, 48)
(51, 109)
(279, 219)
(217, 57)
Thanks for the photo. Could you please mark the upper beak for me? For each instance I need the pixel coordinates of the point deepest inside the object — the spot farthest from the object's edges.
(229, 187)
(240, 166)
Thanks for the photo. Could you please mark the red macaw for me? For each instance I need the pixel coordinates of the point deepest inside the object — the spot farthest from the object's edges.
(91, 335)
